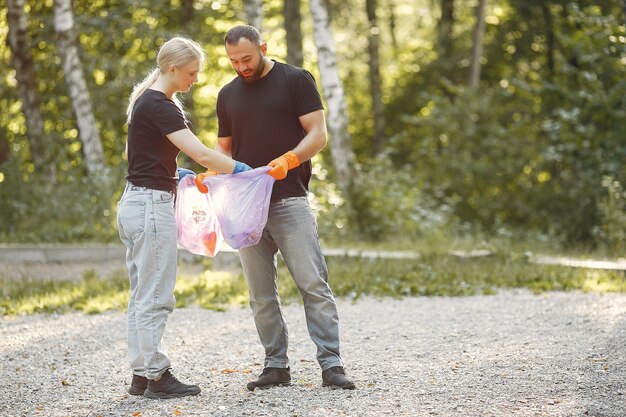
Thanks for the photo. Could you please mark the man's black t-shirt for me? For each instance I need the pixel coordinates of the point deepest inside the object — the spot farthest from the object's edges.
(262, 119)
(151, 155)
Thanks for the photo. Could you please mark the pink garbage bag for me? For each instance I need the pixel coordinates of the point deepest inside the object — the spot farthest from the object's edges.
(198, 230)
(241, 203)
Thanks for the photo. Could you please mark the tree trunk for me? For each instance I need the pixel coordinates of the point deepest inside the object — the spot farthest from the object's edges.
(550, 38)
(624, 9)
(341, 142)
(254, 13)
(22, 61)
(67, 43)
(392, 27)
(444, 35)
(477, 46)
(186, 17)
(375, 81)
(293, 28)
(4, 150)
(186, 14)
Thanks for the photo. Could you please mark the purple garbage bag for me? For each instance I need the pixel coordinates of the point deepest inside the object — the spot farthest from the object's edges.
(198, 230)
(241, 203)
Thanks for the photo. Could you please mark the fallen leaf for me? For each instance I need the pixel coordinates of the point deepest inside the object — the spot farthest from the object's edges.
(177, 412)
(229, 371)
(64, 382)
(137, 413)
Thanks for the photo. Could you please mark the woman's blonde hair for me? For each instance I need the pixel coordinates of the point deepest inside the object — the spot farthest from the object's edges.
(178, 51)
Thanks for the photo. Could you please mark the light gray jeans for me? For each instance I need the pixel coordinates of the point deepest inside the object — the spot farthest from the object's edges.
(147, 227)
(292, 229)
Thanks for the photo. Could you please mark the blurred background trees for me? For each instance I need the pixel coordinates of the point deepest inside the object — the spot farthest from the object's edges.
(500, 117)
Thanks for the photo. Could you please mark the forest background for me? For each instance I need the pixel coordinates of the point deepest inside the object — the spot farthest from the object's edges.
(499, 119)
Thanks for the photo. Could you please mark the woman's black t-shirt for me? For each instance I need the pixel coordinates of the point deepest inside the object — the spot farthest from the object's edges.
(151, 155)
(262, 119)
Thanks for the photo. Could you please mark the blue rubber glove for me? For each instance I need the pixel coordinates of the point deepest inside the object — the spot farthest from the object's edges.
(241, 167)
(182, 172)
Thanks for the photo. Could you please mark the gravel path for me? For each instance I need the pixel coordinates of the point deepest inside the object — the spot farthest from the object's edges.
(512, 354)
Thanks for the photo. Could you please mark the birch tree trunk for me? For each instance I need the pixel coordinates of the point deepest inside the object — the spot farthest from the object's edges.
(254, 13)
(186, 16)
(375, 81)
(341, 142)
(293, 29)
(79, 94)
(22, 61)
(477, 47)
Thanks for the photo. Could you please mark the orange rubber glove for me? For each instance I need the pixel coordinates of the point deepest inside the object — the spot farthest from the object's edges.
(282, 164)
(201, 187)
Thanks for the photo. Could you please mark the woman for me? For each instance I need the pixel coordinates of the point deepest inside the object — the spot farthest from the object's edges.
(157, 132)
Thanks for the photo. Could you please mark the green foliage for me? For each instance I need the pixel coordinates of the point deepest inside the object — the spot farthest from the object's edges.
(212, 290)
(91, 295)
(434, 274)
(527, 151)
(612, 230)
(72, 209)
(444, 275)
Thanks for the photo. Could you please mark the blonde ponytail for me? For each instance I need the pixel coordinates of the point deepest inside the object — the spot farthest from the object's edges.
(138, 90)
(178, 51)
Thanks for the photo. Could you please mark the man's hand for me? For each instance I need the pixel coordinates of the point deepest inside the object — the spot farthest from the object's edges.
(201, 187)
(282, 164)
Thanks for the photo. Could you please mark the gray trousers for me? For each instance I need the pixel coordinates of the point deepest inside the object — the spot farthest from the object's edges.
(292, 229)
(147, 227)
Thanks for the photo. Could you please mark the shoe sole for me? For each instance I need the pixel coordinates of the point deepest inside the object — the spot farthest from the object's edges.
(333, 386)
(159, 396)
(135, 391)
(268, 386)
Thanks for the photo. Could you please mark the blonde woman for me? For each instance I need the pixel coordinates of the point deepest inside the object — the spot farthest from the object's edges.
(157, 132)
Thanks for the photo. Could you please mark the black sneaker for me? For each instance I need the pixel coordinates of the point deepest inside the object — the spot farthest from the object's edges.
(138, 385)
(335, 377)
(167, 386)
(271, 377)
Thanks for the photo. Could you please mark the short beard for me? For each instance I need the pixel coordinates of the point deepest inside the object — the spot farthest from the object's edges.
(256, 76)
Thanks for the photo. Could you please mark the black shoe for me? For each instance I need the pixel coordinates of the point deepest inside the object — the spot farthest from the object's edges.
(335, 377)
(167, 386)
(271, 377)
(138, 385)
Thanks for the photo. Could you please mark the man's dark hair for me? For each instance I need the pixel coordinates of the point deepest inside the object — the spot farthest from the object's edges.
(243, 31)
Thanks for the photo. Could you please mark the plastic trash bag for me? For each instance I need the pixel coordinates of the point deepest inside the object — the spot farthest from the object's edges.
(241, 202)
(198, 230)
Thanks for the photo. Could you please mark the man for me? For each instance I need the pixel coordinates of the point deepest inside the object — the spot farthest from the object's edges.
(272, 114)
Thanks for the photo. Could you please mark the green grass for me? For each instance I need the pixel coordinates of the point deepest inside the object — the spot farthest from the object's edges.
(433, 274)
(445, 275)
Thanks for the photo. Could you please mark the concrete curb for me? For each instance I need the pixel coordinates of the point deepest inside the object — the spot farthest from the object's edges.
(103, 253)
(67, 253)
(60, 253)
